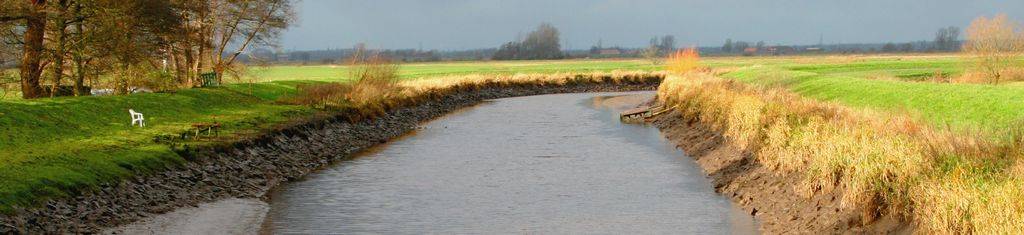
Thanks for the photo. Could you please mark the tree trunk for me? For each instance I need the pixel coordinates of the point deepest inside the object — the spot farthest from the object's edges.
(59, 51)
(78, 59)
(190, 61)
(30, 68)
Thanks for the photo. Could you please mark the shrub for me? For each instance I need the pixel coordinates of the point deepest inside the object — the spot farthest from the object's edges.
(159, 80)
(8, 81)
(994, 44)
(375, 79)
(321, 95)
(373, 89)
(684, 61)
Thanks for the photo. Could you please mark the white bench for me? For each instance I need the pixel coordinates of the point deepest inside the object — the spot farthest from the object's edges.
(137, 118)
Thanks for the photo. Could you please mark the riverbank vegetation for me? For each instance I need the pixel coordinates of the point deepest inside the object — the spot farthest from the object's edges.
(945, 180)
(945, 153)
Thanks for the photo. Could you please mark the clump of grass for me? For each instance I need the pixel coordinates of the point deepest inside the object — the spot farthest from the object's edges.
(372, 91)
(375, 88)
(320, 95)
(683, 61)
(884, 163)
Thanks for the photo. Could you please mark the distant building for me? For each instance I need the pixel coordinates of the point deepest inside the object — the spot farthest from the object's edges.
(781, 50)
(749, 51)
(814, 50)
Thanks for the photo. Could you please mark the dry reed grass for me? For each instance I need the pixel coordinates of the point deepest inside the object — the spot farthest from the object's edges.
(946, 182)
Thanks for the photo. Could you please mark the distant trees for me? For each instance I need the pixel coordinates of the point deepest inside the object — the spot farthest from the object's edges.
(541, 44)
(133, 39)
(738, 46)
(994, 43)
(889, 47)
(907, 47)
(668, 44)
(947, 39)
(659, 47)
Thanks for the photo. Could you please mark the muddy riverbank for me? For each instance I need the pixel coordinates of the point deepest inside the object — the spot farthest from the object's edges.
(768, 196)
(249, 169)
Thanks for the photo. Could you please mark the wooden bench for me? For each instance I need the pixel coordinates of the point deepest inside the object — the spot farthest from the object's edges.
(211, 129)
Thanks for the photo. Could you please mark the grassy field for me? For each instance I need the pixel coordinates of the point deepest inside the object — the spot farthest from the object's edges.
(890, 84)
(54, 146)
(423, 70)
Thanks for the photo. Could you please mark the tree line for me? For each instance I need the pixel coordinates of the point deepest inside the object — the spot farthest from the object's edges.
(541, 44)
(161, 44)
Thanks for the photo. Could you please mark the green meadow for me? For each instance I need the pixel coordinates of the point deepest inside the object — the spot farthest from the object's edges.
(895, 85)
(421, 70)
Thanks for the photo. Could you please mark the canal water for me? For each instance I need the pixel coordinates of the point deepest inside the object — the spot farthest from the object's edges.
(539, 164)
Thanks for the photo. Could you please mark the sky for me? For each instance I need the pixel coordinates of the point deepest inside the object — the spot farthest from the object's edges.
(473, 24)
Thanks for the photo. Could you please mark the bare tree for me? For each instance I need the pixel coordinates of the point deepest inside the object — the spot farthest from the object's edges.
(33, 14)
(651, 54)
(668, 44)
(60, 17)
(994, 44)
(543, 43)
(239, 24)
(727, 48)
(947, 38)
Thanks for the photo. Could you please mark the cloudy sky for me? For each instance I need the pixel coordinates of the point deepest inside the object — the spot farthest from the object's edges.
(470, 24)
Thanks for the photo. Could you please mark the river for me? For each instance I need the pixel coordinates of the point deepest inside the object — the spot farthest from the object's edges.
(539, 164)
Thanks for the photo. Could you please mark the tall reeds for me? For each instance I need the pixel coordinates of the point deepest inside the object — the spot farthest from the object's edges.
(945, 181)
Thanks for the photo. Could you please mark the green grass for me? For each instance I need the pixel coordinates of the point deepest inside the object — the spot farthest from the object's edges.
(421, 70)
(54, 146)
(959, 105)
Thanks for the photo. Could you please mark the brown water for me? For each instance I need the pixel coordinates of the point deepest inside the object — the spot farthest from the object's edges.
(540, 164)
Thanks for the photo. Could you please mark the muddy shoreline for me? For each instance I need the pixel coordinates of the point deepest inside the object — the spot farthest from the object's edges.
(251, 168)
(769, 196)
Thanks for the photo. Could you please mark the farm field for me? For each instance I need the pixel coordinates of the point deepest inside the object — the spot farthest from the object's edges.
(53, 146)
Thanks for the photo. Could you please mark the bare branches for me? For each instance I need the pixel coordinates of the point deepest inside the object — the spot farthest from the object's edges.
(994, 43)
(241, 24)
(179, 37)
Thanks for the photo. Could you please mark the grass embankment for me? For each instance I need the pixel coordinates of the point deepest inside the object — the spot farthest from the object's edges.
(964, 106)
(56, 147)
(944, 180)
